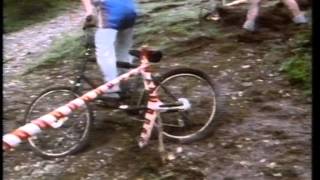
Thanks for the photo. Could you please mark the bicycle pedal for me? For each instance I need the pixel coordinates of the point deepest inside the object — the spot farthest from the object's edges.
(107, 103)
(132, 110)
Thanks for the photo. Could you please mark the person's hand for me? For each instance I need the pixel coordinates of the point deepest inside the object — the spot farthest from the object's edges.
(90, 21)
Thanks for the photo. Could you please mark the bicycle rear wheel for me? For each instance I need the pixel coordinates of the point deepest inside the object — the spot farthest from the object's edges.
(195, 86)
(72, 136)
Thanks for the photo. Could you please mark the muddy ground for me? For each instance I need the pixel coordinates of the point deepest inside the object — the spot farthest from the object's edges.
(264, 133)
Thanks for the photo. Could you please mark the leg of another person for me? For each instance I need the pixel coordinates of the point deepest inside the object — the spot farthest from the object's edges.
(252, 15)
(298, 16)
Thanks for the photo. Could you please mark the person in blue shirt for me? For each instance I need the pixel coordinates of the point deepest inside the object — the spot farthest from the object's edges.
(114, 35)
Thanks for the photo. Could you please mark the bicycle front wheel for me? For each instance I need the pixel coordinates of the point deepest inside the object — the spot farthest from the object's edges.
(195, 86)
(71, 137)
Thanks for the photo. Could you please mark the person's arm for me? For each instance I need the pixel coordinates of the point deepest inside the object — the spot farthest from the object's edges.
(88, 7)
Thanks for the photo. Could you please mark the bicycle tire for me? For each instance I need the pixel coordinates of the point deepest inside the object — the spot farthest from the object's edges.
(180, 83)
(78, 122)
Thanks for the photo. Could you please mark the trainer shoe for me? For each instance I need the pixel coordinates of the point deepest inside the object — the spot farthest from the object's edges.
(300, 19)
(111, 94)
(249, 25)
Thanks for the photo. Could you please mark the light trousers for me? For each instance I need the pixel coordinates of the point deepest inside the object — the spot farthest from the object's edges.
(112, 46)
(254, 8)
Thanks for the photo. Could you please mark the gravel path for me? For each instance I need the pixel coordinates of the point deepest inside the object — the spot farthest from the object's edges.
(21, 47)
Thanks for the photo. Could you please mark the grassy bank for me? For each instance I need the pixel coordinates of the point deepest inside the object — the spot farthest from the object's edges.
(298, 65)
(69, 47)
(21, 13)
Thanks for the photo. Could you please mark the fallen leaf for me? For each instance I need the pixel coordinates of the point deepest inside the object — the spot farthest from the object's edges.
(272, 165)
(71, 82)
(210, 145)
(277, 142)
(247, 84)
(179, 150)
(262, 160)
(245, 163)
(277, 175)
(239, 146)
(266, 141)
(245, 66)
(171, 157)
(287, 95)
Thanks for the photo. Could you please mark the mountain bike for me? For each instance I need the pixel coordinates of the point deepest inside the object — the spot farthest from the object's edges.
(186, 101)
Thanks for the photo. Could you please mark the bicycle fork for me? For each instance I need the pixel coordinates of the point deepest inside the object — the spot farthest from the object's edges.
(152, 114)
(154, 107)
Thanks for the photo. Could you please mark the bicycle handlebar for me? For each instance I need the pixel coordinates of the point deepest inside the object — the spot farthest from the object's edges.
(90, 22)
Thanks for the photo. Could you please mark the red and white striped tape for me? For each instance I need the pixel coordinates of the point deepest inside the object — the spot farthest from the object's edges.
(54, 118)
(152, 106)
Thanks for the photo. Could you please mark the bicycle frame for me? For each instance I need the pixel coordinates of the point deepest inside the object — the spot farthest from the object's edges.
(56, 118)
(81, 77)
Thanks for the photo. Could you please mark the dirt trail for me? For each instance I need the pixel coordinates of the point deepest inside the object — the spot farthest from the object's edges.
(265, 132)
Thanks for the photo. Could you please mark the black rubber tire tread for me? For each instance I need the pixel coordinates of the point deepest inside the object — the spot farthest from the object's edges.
(82, 144)
(219, 103)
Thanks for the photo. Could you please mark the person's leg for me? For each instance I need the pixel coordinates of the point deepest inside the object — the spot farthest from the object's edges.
(105, 53)
(123, 44)
(298, 16)
(252, 15)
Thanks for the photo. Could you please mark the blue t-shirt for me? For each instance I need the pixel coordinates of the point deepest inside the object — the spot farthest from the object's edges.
(118, 14)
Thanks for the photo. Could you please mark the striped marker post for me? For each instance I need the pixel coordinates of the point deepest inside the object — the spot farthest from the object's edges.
(152, 112)
(153, 102)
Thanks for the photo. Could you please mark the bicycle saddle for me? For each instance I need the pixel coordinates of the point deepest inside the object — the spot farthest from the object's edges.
(152, 55)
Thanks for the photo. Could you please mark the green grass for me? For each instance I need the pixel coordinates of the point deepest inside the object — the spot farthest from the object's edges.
(22, 13)
(298, 65)
(170, 23)
(69, 47)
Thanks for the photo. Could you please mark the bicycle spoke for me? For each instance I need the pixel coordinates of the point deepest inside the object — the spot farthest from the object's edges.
(194, 86)
(68, 138)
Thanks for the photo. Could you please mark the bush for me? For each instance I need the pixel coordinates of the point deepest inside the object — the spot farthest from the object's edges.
(298, 65)
(298, 69)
